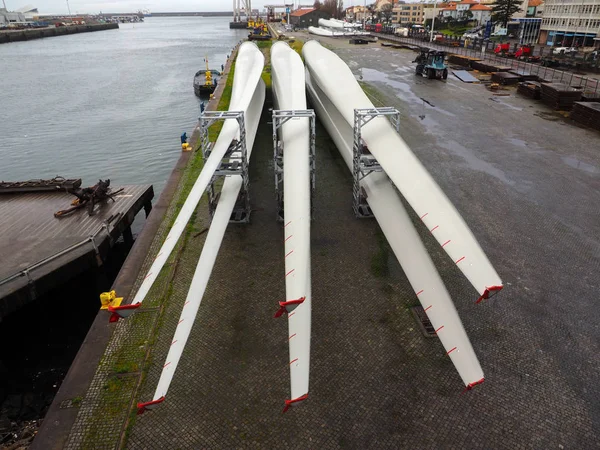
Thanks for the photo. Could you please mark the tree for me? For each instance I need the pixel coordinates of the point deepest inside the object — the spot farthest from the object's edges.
(372, 11)
(317, 4)
(386, 12)
(503, 10)
(335, 8)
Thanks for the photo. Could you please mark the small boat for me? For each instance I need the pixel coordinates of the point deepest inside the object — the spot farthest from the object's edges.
(205, 81)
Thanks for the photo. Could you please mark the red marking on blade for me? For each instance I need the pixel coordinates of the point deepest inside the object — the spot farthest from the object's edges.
(289, 253)
(292, 336)
(473, 384)
(428, 307)
(291, 314)
(293, 361)
(289, 272)
(185, 304)
(447, 242)
(460, 260)
(288, 237)
(166, 364)
(487, 292)
(173, 341)
(180, 321)
(451, 350)
(420, 292)
(147, 275)
(289, 403)
(157, 256)
(435, 228)
(423, 216)
(145, 406)
(439, 329)
(287, 224)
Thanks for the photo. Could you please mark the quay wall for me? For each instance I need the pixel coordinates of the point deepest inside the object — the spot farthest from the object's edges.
(38, 33)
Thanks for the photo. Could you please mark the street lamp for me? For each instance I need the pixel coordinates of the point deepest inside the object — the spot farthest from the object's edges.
(433, 20)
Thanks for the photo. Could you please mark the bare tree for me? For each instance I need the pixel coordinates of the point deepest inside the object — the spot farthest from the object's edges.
(386, 12)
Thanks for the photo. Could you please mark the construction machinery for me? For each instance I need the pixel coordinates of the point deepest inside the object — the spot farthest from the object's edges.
(432, 64)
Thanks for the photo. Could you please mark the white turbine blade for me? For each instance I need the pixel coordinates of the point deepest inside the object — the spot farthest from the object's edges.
(335, 78)
(406, 245)
(249, 64)
(288, 83)
(227, 199)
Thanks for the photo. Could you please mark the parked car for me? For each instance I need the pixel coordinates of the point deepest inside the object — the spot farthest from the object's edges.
(564, 51)
(472, 36)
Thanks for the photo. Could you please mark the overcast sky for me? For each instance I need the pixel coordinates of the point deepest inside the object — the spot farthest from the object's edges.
(94, 6)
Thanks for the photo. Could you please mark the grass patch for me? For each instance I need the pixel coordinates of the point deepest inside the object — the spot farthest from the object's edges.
(223, 105)
(372, 93)
(264, 44)
(297, 46)
(125, 367)
(379, 261)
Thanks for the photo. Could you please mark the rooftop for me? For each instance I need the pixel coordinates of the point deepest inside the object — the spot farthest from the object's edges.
(301, 12)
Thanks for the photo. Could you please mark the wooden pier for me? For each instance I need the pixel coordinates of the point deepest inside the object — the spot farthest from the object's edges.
(40, 251)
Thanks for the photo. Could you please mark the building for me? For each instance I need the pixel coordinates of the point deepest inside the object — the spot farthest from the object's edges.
(357, 14)
(570, 23)
(481, 13)
(30, 12)
(307, 17)
(408, 13)
(8, 17)
(466, 10)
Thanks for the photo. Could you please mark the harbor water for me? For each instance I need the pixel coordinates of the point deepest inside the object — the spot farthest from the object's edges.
(110, 104)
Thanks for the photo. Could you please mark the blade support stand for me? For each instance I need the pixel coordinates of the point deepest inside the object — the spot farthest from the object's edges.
(363, 162)
(280, 117)
(234, 163)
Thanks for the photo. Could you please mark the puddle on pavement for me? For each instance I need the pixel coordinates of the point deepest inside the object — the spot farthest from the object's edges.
(372, 75)
(475, 163)
(577, 164)
(517, 142)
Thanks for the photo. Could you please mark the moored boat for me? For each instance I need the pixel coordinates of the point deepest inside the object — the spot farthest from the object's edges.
(205, 81)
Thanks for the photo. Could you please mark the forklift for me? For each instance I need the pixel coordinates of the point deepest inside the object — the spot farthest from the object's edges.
(431, 64)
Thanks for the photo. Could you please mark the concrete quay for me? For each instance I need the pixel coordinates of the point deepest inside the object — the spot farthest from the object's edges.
(7, 36)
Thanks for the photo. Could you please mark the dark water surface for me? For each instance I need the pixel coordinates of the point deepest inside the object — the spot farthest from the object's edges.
(109, 104)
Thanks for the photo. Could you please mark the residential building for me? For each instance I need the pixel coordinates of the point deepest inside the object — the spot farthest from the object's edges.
(481, 13)
(570, 23)
(466, 10)
(408, 13)
(357, 14)
(307, 17)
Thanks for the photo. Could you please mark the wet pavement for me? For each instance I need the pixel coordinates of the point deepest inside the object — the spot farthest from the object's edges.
(527, 183)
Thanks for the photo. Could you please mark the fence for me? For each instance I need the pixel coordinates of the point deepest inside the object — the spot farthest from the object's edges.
(485, 50)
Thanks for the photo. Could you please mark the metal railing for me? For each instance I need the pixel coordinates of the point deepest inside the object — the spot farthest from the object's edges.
(485, 50)
(91, 239)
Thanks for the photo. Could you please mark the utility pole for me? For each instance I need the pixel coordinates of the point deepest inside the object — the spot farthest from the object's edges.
(433, 20)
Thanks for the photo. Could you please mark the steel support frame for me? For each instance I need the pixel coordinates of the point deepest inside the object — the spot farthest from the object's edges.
(235, 162)
(363, 162)
(280, 117)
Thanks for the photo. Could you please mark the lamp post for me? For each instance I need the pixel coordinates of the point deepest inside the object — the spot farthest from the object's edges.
(433, 20)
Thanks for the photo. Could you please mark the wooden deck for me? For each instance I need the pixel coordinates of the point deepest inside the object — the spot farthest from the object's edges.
(39, 251)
